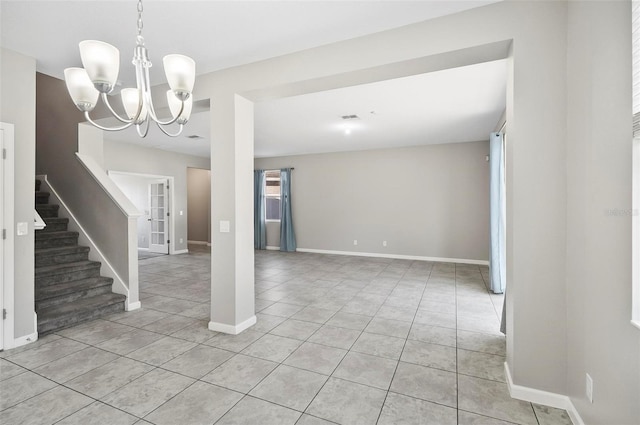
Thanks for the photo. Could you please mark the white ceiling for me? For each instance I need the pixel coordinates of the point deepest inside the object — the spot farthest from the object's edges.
(455, 105)
(221, 34)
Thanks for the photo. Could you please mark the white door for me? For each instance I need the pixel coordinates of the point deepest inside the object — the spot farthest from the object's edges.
(159, 216)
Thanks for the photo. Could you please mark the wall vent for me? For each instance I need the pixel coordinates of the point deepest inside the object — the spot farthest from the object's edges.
(350, 117)
(195, 137)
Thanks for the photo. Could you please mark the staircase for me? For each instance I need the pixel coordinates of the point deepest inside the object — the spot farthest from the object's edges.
(68, 287)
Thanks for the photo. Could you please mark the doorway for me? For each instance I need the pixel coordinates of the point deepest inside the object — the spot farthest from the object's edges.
(152, 195)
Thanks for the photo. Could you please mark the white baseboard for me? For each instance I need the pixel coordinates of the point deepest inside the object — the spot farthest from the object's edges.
(395, 256)
(273, 248)
(143, 249)
(199, 243)
(181, 251)
(231, 329)
(132, 306)
(546, 398)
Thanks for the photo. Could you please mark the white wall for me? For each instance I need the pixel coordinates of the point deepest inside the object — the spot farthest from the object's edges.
(430, 201)
(137, 190)
(199, 202)
(601, 340)
(18, 107)
(130, 158)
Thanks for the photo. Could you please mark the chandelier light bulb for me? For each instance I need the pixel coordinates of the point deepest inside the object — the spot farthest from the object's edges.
(81, 89)
(181, 74)
(131, 101)
(102, 62)
(175, 104)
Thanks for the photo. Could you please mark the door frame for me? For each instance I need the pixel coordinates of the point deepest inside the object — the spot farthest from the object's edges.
(7, 251)
(172, 215)
(166, 218)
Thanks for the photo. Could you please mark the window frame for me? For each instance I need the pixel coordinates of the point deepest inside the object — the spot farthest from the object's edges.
(273, 196)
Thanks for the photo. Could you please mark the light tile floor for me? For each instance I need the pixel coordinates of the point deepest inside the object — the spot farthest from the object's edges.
(348, 340)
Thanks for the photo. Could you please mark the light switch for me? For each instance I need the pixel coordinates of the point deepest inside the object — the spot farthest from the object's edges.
(225, 226)
(23, 229)
(180, 212)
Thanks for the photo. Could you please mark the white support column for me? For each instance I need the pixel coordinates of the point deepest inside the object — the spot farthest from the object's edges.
(232, 256)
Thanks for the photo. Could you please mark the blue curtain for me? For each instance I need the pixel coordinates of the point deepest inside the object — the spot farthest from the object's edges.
(287, 235)
(259, 226)
(497, 194)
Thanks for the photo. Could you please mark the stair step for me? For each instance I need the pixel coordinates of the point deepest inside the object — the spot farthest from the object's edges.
(42, 197)
(38, 184)
(55, 224)
(55, 239)
(62, 316)
(47, 296)
(60, 273)
(62, 255)
(47, 210)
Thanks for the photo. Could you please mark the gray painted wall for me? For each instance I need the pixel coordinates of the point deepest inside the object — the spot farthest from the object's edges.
(199, 203)
(430, 201)
(600, 339)
(18, 107)
(136, 159)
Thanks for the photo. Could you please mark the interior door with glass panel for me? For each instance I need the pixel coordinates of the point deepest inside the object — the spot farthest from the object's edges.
(159, 217)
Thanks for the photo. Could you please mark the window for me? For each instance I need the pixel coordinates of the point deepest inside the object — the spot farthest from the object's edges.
(272, 195)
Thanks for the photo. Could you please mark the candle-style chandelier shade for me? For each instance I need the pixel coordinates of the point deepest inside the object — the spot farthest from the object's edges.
(98, 78)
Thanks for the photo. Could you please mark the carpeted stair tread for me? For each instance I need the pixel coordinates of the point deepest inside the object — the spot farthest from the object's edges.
(55, 235)
(64, 315)
(47, 210)
(70, 292)
(66, 288)
(65, 268)
(38, 184)
(45, 252)
(42, 198)
(61, 255)
(55, 224)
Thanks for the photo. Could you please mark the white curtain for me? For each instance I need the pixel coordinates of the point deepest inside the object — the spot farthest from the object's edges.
(498, 213)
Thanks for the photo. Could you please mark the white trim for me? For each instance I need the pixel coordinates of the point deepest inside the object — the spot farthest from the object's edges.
(182, 251)
(546, 398)
(231, 329)
(396, 256)
(133, 306)
(273, 248)
(24, 340)
(635, 234)
(143, 249)
(8, 301)
(106, 269)
(199, 243)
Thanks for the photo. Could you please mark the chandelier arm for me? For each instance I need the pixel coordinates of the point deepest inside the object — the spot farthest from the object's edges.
(105, 99)
(171, 134)
(86, 115)
(146, 129)
(144, 75)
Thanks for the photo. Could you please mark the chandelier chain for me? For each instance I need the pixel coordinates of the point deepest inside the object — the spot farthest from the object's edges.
(140, 24)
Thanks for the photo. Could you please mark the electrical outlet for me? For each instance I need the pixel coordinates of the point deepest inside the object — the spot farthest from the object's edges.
(384, 243)
(355, 242)
(589, 389)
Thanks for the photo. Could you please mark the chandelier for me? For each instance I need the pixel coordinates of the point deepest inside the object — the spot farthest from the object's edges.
(98, 78)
